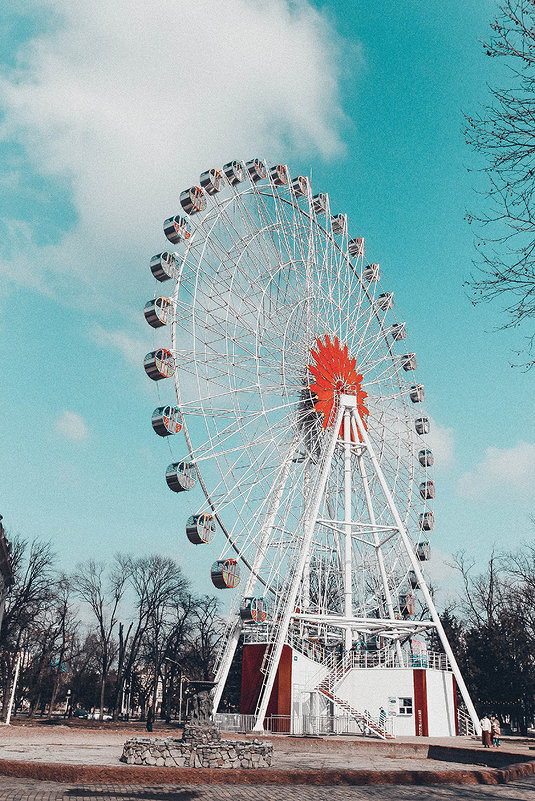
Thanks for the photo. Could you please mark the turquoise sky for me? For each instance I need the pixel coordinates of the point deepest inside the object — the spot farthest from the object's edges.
(107, 115)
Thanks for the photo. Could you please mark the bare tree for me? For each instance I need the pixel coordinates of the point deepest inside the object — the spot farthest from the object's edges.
(484, 593)
(26, 603)
(159, 588)
(205, 635)
(495, 633)
(103, 594)
(503, 134)
(65, 625)
(165, 587)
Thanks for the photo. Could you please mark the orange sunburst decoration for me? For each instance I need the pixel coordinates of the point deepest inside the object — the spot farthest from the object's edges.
(334, 373)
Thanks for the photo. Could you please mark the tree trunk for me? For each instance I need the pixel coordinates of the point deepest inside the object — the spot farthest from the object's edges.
(102, 691)
(53, 696)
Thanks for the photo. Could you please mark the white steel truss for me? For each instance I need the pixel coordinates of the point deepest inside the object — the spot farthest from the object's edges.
(390, 626)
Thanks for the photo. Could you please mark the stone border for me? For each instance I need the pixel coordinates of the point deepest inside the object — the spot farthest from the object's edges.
(127, 774)
(173, 752)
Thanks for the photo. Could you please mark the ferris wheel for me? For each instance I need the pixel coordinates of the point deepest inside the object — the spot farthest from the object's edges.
(297, 410)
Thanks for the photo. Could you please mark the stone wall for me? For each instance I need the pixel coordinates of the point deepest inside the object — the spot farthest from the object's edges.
(174, 752)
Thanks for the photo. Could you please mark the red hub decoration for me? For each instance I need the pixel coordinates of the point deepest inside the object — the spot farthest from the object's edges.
(334, 374)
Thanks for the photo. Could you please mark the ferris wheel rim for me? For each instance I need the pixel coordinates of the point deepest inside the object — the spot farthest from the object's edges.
(268, 191)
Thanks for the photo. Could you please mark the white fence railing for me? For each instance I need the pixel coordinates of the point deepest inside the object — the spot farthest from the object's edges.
(297, 724)
(389, 659)
(384, 658)
(234, 721)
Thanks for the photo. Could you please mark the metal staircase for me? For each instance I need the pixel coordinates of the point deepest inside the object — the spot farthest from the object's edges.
(465, 724)
(366, 723)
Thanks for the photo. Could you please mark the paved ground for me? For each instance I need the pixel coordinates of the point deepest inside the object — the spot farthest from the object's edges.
(27, 790)
(77, 747)
(38, 744)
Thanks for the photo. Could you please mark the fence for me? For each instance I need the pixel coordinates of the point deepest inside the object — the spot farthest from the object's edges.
(297, 724)
(384, 657)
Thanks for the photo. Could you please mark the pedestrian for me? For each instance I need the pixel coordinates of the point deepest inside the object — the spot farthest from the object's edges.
(495, 731)
(485, 731)
(150, 717)
(382, 717)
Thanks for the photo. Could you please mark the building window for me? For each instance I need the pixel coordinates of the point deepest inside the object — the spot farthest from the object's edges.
(405, 706)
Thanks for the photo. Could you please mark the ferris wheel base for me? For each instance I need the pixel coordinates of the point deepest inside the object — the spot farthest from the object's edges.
(346, 695)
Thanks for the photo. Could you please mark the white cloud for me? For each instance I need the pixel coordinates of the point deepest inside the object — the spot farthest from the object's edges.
(72, 425)
(501, 469)
(441, 440)
(130, 101)
(131, 349)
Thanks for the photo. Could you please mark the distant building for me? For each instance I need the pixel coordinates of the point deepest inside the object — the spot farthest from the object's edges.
(6, 569)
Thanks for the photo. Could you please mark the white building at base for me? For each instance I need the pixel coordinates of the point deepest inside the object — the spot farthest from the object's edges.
(339, 695)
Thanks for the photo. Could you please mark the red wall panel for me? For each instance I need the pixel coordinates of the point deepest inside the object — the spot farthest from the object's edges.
(420, 703)
(280, 702)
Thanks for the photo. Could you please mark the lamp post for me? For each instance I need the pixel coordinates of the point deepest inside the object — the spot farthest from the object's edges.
(67, 703)
(182, 679)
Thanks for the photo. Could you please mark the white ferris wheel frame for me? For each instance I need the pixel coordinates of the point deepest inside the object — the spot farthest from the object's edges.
(252, 232)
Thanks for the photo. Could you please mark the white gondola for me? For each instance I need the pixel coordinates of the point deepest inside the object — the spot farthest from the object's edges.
(300, 186)
(212, 181)
(385, 301)
(399, 331)
(225, 574)
(423, 551)
(164, 266)
(193, 200)
(427, 521)
(279, 175)
(427, 490)
(371, 272)
(417, 393)
(408, 362)
(426, 458)
(356, 247)
(254, 610)
(167, 420)
(201, 529)
(339, 223)
(180, 476)
(422, 426)
(158, 312)
(234, 172)
(256, 169)
(177, 229)
(159, 364)
(412, 578)
(319, 203)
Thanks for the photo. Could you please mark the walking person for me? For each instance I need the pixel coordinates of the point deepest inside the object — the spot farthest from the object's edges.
(150, 717)
(495, 731)
(485, 731)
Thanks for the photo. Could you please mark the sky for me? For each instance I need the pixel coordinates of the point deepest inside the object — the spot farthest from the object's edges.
(107, 111)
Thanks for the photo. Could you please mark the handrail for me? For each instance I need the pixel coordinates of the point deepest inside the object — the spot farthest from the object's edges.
(384, 658)
(465, 723)
(298, 724)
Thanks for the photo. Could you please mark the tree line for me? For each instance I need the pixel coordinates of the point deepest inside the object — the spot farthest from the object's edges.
(108, 637)
(491, 628)
(118, 636)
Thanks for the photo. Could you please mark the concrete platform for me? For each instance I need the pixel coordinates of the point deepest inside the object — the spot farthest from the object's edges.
(91, 756)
